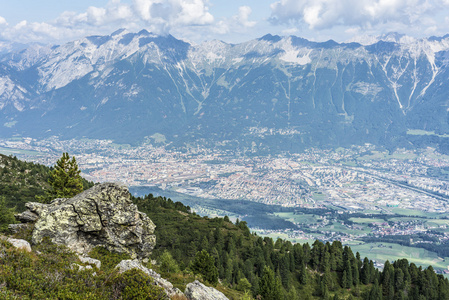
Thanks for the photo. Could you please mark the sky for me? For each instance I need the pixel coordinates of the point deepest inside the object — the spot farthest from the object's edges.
(232, 21)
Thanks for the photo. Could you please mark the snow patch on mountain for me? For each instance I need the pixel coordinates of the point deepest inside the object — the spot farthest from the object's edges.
(366, 88)
(293, 56)
(13, 94)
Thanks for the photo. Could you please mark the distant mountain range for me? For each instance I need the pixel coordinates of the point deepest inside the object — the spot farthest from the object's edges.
(269, 94)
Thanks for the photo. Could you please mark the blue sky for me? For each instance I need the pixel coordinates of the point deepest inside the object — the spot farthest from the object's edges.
(50, 21)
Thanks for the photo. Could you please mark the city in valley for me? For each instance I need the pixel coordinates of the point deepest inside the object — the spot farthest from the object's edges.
(387, 204)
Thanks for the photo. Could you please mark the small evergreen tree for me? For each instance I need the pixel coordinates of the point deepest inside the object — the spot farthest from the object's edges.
(270, 285)
(204, 264)
(167, 263)
(243, 285)
(65, 180)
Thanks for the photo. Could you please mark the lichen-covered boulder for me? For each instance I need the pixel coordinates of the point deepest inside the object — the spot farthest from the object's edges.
(18, 243)
(103, 216)
(198, 291)
(128, 264)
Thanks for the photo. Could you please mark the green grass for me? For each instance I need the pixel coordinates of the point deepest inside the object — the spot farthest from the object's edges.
(366, 220)
(437, 222)
(337, 227)
(302, 219)
(425, 132)
(391, 252)
(375, 155)
(402, 156)
(411, 212)
(350, 163)
(318, 196)
(406, 219)
(10, 151)
(378, 155)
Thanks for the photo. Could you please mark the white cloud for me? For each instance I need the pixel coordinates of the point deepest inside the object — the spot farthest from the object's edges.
(238, 23)
(325, 14)
(159, 16)
(163, 15)
(243, 16)
(3, 21)
(290, 31)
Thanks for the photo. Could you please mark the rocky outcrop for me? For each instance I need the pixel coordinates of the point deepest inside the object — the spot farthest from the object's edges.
(126, 265)
(27, 217)
(18, 243)
(198, 291)
(103, 216)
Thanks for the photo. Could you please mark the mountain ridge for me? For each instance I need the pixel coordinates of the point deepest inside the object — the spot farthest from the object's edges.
(329, 93)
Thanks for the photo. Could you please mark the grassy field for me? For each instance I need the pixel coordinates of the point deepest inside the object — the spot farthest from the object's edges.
(425, 132)
(387, 251)
(318, 196)
(406, 219)
(437, 222)
(366, 220)
(374, 156)
(9, 151)
(301, 219)
(337, 227)
(417, 213)
(377, 155)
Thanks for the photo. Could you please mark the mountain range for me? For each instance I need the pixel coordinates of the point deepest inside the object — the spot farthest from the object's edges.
(269, 94)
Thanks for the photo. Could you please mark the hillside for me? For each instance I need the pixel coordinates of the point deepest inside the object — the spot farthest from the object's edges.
(21, 181)
(269, 94)
(235, 261)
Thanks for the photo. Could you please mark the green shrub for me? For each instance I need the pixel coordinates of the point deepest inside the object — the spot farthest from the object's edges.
(109, 260)
(6, 215)
(136, 285)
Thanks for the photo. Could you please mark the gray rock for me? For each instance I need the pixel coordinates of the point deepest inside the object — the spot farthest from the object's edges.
(15, 228)
(198, 291)
(80, 268)
(90, 261)
(103, 216)
(26, 217)
(126, 265)
(19, 244)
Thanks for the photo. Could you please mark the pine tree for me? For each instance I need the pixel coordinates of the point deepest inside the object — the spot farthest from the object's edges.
(65, 180)
(270, 285)
(375, 293)
(344, 280)
(302, 274)
(204, 264)
(167, 263)
(366, 275)
(355, 277)
(388, 281)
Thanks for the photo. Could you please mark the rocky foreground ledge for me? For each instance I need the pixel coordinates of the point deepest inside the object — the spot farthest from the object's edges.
(102, 216)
